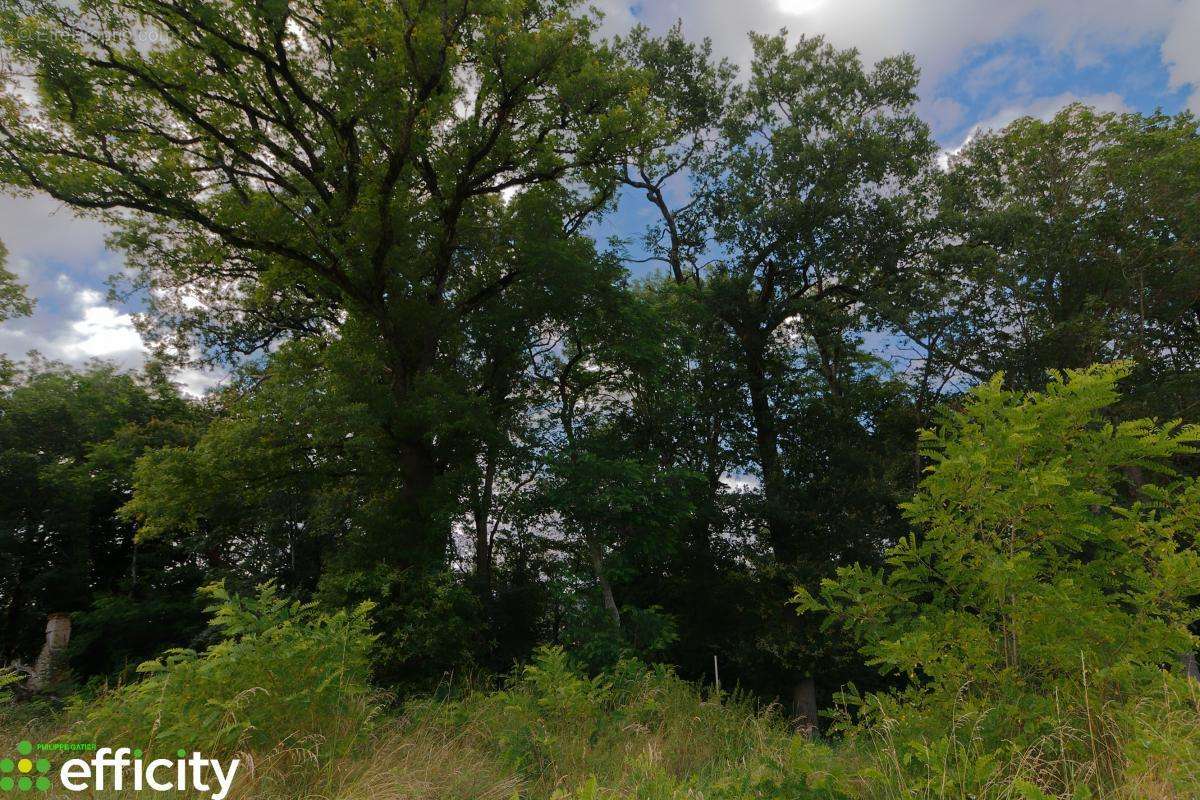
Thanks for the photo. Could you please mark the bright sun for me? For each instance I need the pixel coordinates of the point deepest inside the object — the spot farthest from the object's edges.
(799, 6)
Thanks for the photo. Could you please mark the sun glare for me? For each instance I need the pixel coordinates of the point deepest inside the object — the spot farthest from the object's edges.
(799, 7)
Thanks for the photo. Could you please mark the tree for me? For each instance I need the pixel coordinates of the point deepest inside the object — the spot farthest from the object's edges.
(1078, 239)
(787, 208)
(13, 302)
(810, 211)
(296, 169)
(295, 482)
(615, 488)
(269, 490)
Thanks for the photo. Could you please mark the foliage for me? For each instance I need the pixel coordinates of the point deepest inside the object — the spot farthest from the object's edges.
(69, 439)
(338, 177)
(1040, 585)
(429, 624)
(279, 674)
(8, 677)
(13, 302)
(1077, 238)
(633, 731)
(447, 397)
(640, 733)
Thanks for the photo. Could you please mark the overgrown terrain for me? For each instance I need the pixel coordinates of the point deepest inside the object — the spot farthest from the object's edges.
(593, 417)
(641, 732)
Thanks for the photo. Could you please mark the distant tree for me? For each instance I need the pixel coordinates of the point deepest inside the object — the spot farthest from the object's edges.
(69, 440)
(1080, 239)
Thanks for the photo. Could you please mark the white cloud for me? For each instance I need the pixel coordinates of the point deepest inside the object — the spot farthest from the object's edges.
(741, 481)
(88, 297)
(942, 34)
(80, 327)
(1181, 51)
(939, 32)
(198, 382)
(618, 16)
(104, 332)
(1039, 107)
(944, 113)
(93, 330)
(41, 229)
(799, 7)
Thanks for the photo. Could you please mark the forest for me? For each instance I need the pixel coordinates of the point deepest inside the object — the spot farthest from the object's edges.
(863, 470)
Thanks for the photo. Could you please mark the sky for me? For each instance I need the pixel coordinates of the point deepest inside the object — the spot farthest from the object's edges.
(984, 63)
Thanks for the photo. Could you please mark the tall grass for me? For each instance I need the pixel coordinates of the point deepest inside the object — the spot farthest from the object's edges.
(550, 732)
(1105, 748)
(660, 738)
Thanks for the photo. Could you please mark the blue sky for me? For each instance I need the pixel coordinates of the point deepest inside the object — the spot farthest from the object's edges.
(984, 63)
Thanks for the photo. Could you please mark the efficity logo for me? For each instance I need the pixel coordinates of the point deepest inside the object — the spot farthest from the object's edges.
(24, 773)
(114, 769)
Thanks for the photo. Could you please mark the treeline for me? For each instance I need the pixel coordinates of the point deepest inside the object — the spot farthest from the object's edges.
(450, 399)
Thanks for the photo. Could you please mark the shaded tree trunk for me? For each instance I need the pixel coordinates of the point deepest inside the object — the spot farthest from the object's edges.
(424, 533)
(766, 440)
(610, 602)
(804, 705)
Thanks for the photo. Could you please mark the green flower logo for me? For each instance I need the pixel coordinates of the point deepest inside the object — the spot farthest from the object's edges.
(24, 773)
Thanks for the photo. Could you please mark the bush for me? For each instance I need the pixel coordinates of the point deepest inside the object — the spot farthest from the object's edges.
(1044, 587)
(283, 674)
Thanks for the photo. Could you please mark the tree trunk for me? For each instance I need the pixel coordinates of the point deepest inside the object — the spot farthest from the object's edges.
(610, 602)
(766, 439)
(804, 705)
(58, 636)
(424, 535)
(420, 536)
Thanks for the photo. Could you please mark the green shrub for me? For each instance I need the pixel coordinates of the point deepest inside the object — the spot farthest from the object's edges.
(1044, 587)
(282, 674)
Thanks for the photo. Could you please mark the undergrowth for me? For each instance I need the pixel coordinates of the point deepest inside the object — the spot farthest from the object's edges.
(286, 692)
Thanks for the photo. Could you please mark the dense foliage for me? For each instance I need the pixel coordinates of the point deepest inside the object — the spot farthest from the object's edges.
(278, 671)
(68, 445)
(1042, 580)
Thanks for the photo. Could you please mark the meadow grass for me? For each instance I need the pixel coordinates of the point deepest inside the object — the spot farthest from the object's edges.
(551, 733)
